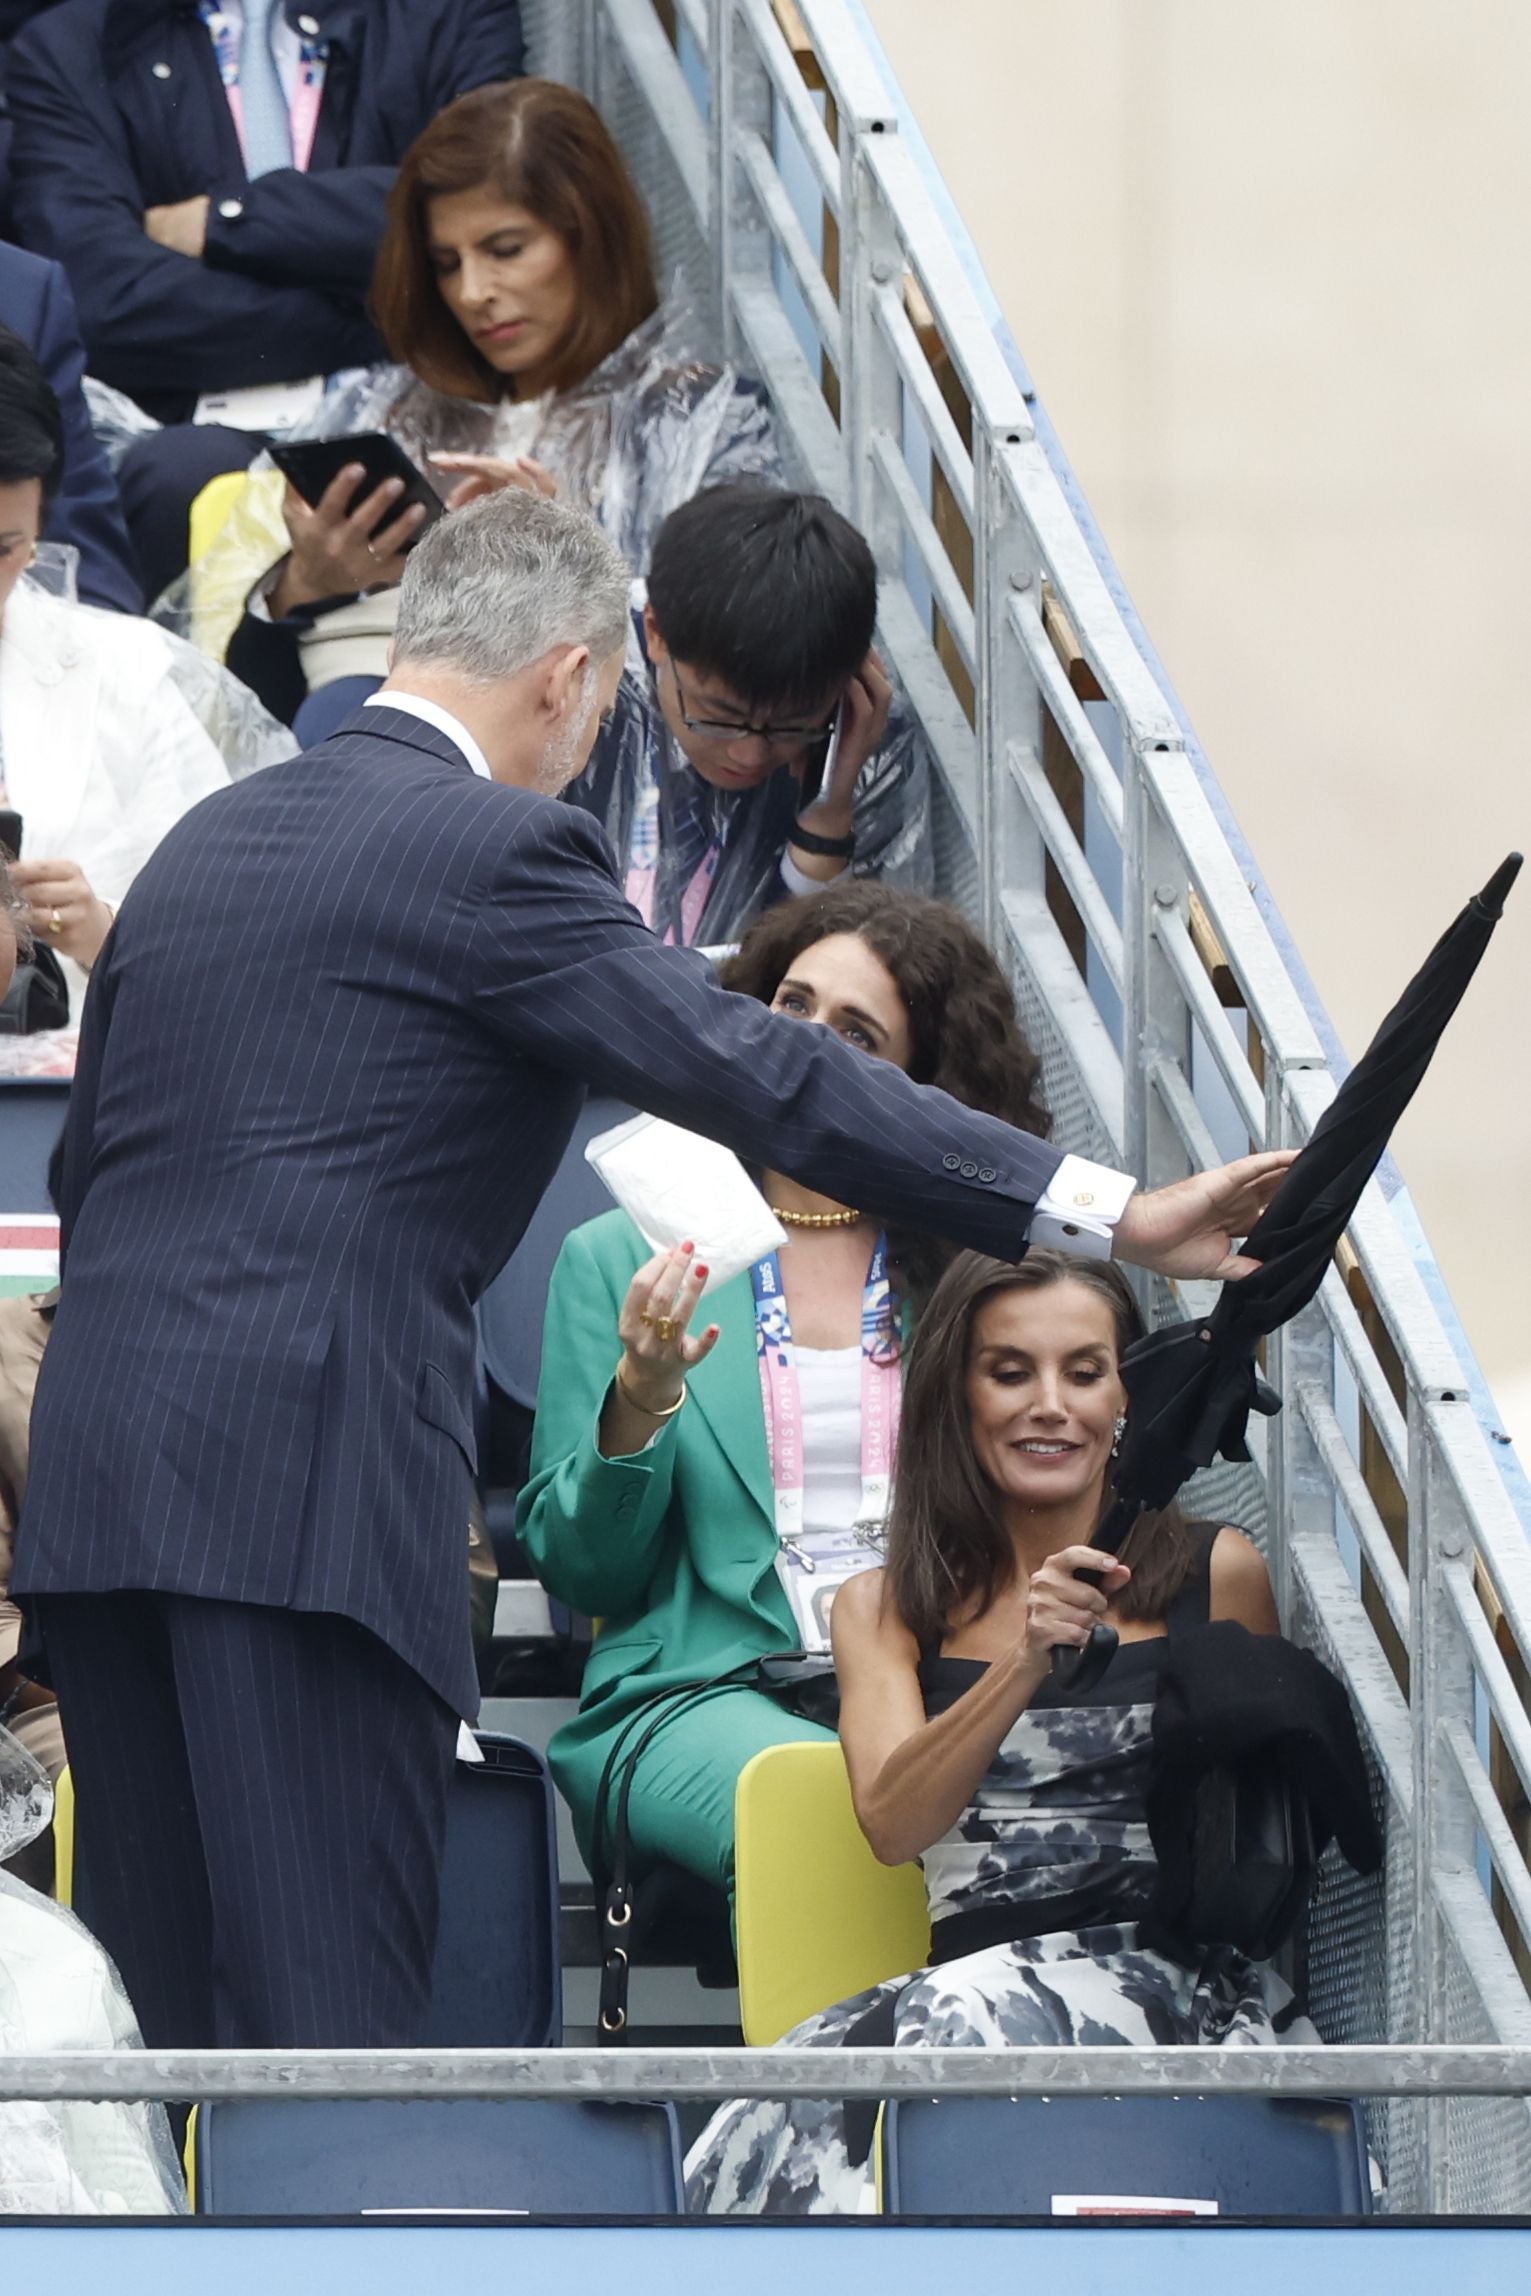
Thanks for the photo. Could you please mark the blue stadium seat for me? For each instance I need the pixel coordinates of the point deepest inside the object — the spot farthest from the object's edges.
(556, 2156)
(32, 1112)
(510, 1338)
(1009, 2156)
(510, 1312)
(498, 1979)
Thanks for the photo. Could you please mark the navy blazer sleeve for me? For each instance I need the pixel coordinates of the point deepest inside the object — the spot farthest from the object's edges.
(153, 320)
(86, 510)
(568, 973)
(324, 230)
(79, 1130)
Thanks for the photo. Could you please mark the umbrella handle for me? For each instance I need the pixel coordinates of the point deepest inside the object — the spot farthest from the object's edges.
(1076, 1670)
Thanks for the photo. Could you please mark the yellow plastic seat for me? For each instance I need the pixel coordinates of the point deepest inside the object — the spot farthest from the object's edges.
(817, 1917)
(212, 510)
(63, 1838)
(235, 535)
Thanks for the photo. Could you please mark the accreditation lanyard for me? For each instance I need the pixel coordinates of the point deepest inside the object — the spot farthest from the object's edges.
(642, 884)
(881, 1396)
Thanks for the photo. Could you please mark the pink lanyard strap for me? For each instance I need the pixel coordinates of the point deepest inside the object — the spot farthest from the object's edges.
(781, 1395)
(642, 881)
(304, 100)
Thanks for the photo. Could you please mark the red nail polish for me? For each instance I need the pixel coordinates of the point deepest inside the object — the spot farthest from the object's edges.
(714, 1330)
(688, 1246)
(701, 1272)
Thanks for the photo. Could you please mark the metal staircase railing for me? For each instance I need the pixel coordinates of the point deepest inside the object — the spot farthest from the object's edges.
(1073, 824)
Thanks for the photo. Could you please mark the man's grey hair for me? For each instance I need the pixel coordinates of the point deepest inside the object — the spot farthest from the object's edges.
(492, 588)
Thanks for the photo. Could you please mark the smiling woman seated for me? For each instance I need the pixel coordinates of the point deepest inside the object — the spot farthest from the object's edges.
(1025, 1801)
(663, 1496)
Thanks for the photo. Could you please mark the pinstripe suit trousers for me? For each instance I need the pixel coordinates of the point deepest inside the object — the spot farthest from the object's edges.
(261, 1805)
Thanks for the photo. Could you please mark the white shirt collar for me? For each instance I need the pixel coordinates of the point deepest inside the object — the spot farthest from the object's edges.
(433, 714)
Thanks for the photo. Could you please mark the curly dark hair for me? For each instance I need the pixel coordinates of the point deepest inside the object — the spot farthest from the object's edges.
(962, 1021)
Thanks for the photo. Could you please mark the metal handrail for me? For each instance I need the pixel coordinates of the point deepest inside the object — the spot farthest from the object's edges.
(972, 542)
(636, 2075)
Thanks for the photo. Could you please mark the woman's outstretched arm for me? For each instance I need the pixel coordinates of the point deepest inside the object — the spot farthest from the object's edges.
(911, 1779)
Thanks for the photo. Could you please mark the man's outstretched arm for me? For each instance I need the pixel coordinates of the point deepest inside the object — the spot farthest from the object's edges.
(569, 974)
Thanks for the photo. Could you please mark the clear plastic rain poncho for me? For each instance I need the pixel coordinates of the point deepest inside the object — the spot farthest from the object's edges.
(58, 1990)
(645, 430)
(701, 862)
(241, 728)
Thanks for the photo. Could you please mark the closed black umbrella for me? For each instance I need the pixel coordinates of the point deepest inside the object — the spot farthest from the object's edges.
(1192, 1386)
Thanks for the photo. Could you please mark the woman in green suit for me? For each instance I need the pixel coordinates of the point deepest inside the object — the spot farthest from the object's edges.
(704, 1494)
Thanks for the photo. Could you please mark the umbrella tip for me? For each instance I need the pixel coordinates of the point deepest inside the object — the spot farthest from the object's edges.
(1491, 899)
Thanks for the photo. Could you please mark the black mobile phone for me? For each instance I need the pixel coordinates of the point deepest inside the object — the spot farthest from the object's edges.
(10, 833)
(313, 463)
(817, 769)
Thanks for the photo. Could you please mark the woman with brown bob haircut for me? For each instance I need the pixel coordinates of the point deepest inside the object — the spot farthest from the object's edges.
(1024, 1803)
(662, 1496)
(515, 289)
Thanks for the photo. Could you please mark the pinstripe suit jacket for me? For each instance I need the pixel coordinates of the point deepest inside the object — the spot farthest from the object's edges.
(331, 1054)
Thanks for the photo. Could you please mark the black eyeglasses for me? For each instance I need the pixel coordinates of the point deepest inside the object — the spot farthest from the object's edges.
(774, 736)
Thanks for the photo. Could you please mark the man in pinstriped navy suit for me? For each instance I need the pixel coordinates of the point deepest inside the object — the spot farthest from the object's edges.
(332, 1052)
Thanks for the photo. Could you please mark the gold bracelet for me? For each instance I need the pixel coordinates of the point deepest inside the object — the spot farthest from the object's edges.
(629, 1398)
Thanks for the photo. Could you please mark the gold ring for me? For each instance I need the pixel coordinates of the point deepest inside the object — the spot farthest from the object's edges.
(662, 1325)
(55, 924)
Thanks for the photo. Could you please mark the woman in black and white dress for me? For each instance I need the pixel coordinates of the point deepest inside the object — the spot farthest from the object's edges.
(1025, 1805)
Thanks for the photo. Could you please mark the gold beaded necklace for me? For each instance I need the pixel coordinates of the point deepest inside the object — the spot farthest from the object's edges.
(845, 1219)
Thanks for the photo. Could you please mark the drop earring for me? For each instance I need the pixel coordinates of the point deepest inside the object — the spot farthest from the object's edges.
(1117, 1432)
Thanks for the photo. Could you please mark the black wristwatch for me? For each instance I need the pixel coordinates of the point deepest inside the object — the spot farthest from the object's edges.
(832, 848)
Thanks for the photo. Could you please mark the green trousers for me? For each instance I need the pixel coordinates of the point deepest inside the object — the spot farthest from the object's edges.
(682, 1806)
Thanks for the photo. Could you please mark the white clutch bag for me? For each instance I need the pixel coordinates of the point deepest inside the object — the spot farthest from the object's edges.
(674, 1185)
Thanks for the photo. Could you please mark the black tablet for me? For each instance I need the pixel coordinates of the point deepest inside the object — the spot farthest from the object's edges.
(312, 463)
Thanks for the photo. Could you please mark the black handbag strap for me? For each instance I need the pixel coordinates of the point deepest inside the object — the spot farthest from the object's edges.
(611, 1843)
(784, 1675)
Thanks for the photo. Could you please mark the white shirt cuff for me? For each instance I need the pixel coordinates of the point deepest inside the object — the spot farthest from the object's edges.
(798, 880)
(1078, 1210)
(258, 603)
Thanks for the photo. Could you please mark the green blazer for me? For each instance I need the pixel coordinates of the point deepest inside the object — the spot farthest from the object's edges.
(674, 1550)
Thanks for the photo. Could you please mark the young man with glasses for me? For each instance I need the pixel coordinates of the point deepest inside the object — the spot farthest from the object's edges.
(757, 747)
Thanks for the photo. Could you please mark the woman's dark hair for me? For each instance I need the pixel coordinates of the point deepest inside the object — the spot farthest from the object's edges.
(948, 1550)
(31, 425)
(543, 147)
(771, 593)
(963, 1030)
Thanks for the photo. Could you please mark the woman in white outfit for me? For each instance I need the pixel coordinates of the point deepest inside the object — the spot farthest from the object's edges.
(59, 1991)
(103, 739)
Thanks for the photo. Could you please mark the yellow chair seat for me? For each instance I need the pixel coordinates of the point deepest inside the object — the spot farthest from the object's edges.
(63, 1838)
(817, 1917)
(235, 535)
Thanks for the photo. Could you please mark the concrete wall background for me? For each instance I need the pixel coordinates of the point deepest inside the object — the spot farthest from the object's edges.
(1269, 268)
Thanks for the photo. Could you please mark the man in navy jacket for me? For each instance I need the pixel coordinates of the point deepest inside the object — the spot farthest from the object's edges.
(332, 1053)
(35, 303)
(128, 169)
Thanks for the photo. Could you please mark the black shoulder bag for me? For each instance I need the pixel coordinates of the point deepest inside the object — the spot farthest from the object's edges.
(1253, 1861)
(38, 997)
